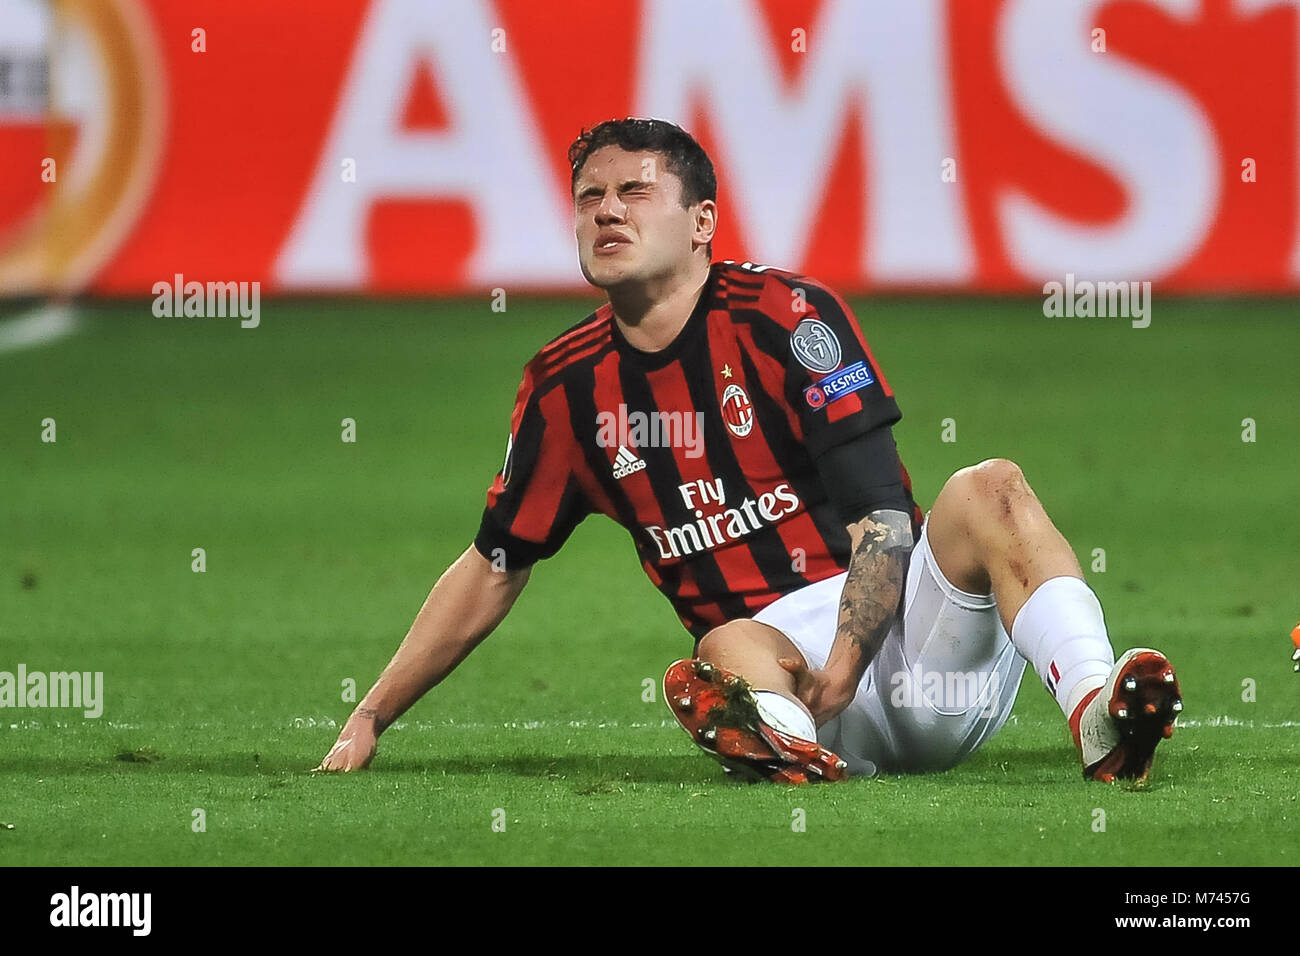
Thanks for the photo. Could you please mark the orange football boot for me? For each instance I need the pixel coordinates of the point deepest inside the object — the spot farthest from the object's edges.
(717, 709)
(1117, 726)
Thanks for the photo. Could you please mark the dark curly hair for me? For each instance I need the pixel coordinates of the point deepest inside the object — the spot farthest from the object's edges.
(683, 156)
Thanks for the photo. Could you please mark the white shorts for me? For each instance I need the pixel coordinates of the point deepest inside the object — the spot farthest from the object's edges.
(941, 684)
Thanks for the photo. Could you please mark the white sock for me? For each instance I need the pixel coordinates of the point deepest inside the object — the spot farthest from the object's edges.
(785, 715)
(1061, 631)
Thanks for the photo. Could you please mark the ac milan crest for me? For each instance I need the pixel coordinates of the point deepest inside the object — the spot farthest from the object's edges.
(737, 411)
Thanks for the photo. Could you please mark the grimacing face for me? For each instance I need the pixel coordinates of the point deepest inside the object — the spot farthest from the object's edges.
(630, 224)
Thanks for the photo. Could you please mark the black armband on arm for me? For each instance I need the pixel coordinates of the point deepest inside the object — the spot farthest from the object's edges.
(863, 475)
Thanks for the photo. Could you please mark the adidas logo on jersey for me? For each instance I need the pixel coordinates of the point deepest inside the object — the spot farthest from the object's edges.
(626, 463)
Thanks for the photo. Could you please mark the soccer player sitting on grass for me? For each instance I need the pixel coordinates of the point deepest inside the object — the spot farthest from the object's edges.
(734, 420)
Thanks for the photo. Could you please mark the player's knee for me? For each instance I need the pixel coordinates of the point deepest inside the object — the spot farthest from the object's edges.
(995, 486)
(991, 472)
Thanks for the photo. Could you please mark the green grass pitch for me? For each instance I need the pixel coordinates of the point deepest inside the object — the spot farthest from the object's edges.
(175, 434)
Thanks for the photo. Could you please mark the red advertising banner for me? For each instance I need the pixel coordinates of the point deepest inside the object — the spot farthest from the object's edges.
(419, 146)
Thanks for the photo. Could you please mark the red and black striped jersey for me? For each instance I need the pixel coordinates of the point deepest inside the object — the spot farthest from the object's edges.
(704, 451)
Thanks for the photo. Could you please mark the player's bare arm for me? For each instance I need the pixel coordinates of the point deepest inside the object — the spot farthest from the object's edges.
(464, 607)
(873, 589)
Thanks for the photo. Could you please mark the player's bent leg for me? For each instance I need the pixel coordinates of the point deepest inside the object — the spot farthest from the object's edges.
(990, 534)
(738, 704)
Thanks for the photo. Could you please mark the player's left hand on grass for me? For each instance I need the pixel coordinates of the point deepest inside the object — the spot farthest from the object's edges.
(354, 749)
(822, 692)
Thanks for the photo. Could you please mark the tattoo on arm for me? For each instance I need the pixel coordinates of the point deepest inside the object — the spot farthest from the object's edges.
(877, 569)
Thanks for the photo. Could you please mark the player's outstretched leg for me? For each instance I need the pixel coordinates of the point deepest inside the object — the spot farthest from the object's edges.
(753, 724)
(990, 534)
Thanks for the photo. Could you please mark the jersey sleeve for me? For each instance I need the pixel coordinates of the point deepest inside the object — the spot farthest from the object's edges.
(832, 378)
(535, 501)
